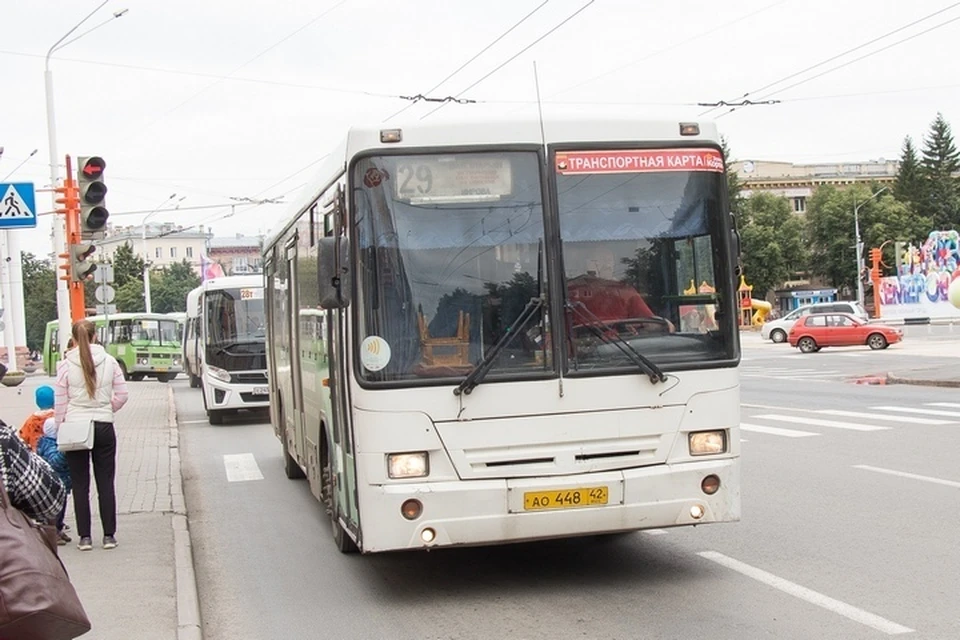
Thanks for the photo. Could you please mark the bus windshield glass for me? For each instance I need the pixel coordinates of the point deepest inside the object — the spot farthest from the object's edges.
(235, 316)
(450, 252)
(158, 332)
(642, 242)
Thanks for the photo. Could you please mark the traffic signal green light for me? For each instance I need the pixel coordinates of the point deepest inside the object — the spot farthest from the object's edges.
(81, 266)
(92, 196)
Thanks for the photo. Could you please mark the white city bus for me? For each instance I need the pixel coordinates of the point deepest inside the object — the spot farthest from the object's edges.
(224, 349)
(487, 332)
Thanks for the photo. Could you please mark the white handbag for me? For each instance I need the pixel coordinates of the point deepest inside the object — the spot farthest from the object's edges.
(75, 436)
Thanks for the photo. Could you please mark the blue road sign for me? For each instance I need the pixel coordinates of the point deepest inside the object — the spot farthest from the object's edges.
(18, 205)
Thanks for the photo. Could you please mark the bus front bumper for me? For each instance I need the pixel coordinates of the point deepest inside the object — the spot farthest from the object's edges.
(221, 395)
(480, 512)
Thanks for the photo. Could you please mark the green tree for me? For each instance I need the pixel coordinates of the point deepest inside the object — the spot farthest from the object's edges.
(941, 193)
(129, 297)
(773, 242)
(169, 287)
(830, 218)
(909, 185)
(126, 265)
(39, 298)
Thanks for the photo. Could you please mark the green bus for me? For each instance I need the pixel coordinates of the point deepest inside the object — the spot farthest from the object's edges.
(146, 345)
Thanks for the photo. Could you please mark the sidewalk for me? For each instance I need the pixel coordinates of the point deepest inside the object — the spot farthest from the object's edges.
(145, 588)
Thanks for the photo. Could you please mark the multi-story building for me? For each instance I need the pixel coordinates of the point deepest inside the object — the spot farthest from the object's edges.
(238, 255)
(159, 244)
(797, 182)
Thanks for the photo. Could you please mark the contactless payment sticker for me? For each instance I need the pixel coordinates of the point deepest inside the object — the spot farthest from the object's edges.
(374, 353)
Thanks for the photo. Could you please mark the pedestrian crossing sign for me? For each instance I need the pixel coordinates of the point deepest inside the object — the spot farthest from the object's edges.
(18, 207)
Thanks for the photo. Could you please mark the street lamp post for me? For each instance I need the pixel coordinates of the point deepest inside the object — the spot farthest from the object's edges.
(143, 246)
(859, 241)
(59, 232)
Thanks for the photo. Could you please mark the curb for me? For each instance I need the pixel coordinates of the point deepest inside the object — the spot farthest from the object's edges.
(892, 379)
(188, 599)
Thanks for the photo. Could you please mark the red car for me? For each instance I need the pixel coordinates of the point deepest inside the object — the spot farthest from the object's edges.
(813, 332)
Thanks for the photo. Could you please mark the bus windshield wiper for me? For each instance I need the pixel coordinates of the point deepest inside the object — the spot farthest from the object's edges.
(602, 330)
(476, 376)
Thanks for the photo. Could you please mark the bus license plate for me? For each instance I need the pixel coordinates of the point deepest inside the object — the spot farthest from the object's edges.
(565, 498)
(260, 391)
(161, 369)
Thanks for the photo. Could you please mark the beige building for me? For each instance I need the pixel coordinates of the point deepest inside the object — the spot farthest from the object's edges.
(797, 182)
(159, 244)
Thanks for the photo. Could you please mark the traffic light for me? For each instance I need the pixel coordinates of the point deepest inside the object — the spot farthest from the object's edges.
(78, 267)
(92, 196)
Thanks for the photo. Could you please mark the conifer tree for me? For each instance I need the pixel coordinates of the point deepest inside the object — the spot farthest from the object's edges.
(941, 161)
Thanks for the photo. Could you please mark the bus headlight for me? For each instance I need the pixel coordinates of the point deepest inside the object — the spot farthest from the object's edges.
(218, 373)
(408, 465)
(706, 443)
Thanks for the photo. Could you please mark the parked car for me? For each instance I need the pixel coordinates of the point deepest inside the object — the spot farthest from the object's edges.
(776, 330)
(813, 332)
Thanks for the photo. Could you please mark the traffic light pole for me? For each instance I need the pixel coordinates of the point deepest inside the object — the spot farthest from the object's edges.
(78, 306)
(71, 213)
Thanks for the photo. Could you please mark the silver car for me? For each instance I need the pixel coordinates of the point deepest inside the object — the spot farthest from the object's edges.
(777, 330)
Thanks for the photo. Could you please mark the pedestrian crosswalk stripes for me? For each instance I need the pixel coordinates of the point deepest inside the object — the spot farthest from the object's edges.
(776, 431)
(817, 422)
(779, 421)
(886, 417)
(926, 412)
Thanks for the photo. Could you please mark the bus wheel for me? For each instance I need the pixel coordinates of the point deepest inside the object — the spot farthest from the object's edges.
(136, 377)
(123, 370)
(343, 542)
(215, 417)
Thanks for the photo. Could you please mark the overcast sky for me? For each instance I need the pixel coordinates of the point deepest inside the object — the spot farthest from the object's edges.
(217, 99)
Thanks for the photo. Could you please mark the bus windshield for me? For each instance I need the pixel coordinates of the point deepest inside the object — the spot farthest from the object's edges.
(642, 256)
(235, 316)
(451, 253)
(158, 332)
(450, 248)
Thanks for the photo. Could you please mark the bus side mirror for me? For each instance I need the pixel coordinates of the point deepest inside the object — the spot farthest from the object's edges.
(333, 273)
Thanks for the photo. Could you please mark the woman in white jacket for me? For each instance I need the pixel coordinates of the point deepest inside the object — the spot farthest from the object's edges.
(90, 386)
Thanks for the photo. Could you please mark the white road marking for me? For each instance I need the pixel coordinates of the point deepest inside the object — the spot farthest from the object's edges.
(883, 416)
(926, 412)
(204, 421)
(953, 405)
(655, 532)
(776, 431)
(911, 476)
(241, 467)
(814, 422)
(809, 595)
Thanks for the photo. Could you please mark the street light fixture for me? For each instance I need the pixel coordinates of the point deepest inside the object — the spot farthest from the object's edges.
(59, 233)
(856, 230)
(143, 246)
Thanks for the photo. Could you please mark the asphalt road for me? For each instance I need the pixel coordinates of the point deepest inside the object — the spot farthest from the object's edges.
(849, 531)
